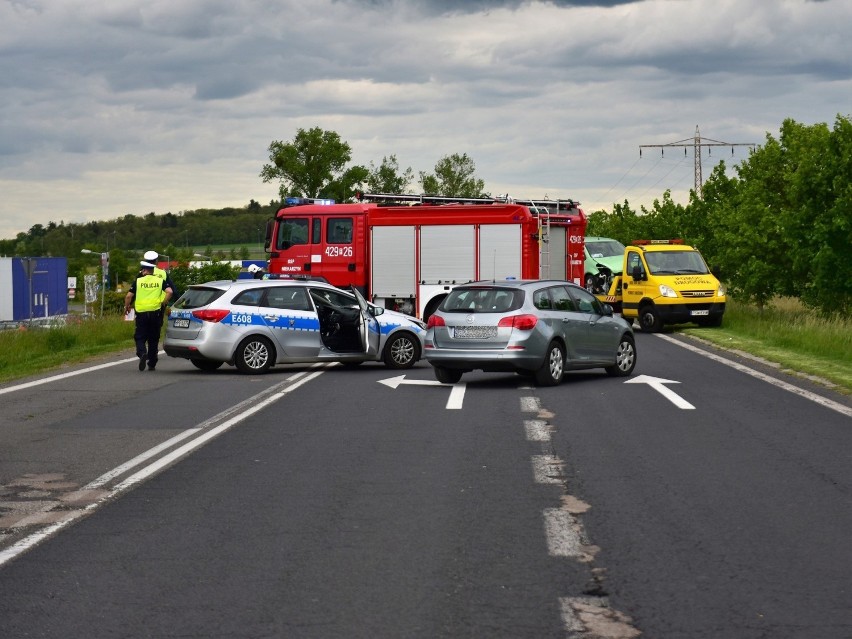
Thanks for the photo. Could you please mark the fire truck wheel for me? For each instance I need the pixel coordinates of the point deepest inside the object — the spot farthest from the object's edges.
(625, 358)
(205, 364)
(649, 319)
(553, 366)
(254, 355)
(401, 351)
(447, 375)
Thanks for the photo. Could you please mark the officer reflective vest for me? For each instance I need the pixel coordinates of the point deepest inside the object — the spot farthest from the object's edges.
(149, 294)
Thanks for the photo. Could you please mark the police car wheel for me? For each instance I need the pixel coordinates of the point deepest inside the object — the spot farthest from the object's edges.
(254, 355)
(401, 351)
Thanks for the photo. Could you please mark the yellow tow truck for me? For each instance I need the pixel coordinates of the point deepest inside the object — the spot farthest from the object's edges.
(666, 282)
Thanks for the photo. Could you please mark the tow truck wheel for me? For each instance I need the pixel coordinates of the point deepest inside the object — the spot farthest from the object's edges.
(401, 351)
(649, 319)
(625, 358)
(205, 364)
(553, 367)
(254, 355)
(447, 375)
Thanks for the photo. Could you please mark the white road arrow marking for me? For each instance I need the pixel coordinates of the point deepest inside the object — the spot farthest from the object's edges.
(394, 382)
(455, 400)
(657, 384)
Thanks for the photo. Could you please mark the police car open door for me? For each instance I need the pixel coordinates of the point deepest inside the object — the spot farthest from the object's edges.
(368, 325)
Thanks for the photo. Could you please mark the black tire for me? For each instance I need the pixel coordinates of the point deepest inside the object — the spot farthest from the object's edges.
(254, 355)
(206, 365)
(553, 367)
(589, 282)
(649, 319)
(447, 375)
(401, 351)
(625, 358)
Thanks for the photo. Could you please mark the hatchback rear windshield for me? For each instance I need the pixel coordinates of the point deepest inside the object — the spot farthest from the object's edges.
(491, 299)
(197, 297)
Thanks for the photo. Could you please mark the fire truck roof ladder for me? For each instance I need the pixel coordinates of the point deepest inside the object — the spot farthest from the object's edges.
(404, 198)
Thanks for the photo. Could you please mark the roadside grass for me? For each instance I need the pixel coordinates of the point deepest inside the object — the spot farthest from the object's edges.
(787, 333)
(34, 350)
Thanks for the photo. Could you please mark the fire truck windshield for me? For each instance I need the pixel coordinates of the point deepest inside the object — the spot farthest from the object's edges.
(292, 231)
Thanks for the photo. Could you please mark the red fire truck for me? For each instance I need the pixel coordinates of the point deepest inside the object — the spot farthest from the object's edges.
(405, 252)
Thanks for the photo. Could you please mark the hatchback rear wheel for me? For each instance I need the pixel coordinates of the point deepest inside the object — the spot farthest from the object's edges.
(553, 367)
(254, 355)
(447, 375)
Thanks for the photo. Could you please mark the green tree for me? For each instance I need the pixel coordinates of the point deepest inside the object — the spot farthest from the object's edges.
(387, 178)
(313, 165)
(621, 224)
(753, 246)
(818, 220)
(454, 176)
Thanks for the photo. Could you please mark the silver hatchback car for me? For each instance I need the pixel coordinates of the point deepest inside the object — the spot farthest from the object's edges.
(255, 324)
(538, 328)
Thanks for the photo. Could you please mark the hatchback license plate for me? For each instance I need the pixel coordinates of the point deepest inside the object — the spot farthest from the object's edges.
(181, 323)
(475, 332)
(697, 313)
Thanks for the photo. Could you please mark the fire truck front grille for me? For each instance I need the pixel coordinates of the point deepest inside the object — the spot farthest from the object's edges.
(697, 293)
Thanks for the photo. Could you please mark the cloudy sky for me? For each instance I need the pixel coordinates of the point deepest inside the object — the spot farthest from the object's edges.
(116, 107)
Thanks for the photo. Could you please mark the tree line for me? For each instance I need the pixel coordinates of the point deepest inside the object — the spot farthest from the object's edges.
(782, 226)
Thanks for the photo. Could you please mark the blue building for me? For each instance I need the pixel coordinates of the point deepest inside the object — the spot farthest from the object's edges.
(33, 287)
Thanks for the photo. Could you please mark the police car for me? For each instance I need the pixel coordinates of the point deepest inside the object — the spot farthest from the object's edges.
(255, 324)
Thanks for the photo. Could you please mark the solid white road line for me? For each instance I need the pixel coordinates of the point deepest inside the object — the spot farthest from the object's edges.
(247, 408)
(56, 378)
(819, 399)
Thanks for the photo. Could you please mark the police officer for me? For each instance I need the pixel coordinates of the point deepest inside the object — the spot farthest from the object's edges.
(152, 257)
(148, 295)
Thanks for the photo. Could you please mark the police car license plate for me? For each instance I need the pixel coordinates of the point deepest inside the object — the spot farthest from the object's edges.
(475, 332)
(697, 313)
(181, 323)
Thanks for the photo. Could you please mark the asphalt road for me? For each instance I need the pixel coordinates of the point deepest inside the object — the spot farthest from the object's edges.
(323, 502)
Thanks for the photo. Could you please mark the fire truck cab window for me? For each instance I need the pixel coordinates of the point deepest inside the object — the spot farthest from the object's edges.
(292, 231)
(316, 231)
(339, 230)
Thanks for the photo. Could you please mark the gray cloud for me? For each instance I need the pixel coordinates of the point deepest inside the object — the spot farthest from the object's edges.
(131, 107)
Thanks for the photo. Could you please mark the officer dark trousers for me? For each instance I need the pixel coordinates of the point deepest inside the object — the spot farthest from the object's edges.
(147, 335)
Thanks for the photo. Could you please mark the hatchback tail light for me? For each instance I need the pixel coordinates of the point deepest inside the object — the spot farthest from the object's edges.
(520, 322)
(435, 320)
(211, 315)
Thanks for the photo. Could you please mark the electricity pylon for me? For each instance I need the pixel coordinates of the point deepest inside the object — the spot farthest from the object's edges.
(696, 143)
